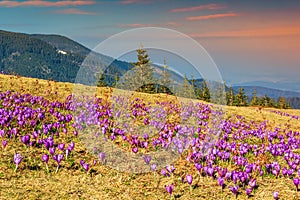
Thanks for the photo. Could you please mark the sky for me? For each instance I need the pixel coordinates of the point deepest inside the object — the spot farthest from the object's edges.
(247, 40)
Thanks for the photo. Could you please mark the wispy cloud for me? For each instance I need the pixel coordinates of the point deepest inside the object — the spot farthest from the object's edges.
(197, 8)
(135, 25)
(138, 25)
(270, 32)
(74, 11)
(213, 16)
(134, 1)
(41, 3)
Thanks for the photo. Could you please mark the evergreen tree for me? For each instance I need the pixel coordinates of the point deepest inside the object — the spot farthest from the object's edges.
(187, 89)
(254, 100)
(115, 80)
(230, 97)
(165, 78)
(205, 92)
(100, 80)
(266, 101)
(141, 75)
(241, 98)
(281, 103)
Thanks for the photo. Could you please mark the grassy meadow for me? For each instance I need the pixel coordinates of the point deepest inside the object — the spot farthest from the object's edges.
(31, 180)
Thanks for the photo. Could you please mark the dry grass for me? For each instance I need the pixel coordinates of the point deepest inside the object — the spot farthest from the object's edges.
(71, 182)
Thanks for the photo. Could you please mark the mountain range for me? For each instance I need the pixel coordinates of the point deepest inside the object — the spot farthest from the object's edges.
(56, 57)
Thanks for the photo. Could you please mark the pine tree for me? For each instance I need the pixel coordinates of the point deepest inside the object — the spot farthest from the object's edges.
(205, 92)
(187, 89)
(141, 75)
(230, 97)
(254, 100)
(281, 103)
(241, 98)
(165, 78)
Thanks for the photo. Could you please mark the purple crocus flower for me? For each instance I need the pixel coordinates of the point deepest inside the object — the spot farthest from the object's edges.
(153, 167)
(147, 159)
(135, 150)
(221, 181)
(71, 146)
(170, 168)
(61, 146)
(102, 156)
(84, 165)
(163, 172)
(52, 150)
(275, 195)
(296, 182)
(4, 143)
(210, 171)
(248, 191)
(17, 160)
(252, 183)
(234, 189)
(45, 158)
(170, 188)
(189, 179)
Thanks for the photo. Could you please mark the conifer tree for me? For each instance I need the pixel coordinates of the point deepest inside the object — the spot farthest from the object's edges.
(187, 89)
(141, 75)
(165, 78)
(241, 98)
(205, 92)
(230, 97)
(281, 103)
(254, 100)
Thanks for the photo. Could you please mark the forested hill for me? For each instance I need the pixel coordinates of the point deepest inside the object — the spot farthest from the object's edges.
(46, 56)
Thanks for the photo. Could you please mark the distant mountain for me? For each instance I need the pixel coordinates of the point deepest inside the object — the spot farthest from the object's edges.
(262, 91)
(291, 97)
(280, 85)
(48, 56)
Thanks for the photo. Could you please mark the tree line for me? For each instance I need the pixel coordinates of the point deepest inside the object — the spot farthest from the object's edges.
(141, 79)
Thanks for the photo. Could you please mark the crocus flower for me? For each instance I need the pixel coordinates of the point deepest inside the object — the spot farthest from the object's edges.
(234, 189)
(61, 146)
(163, 172)
(71, 146)
(296, 182)
(4, 143)
(135, 150)
(147, 159)
(248, 191)
(153, 167)
(189, 179)
(275, 195)
(252, 183)
(45, 158)
(52, 150)
(170, 168)
(102, 156)
(84, 165)
(221, 181)
(17, 160)
(170, 188)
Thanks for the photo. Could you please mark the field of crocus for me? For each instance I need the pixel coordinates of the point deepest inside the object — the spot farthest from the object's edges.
(54, 145)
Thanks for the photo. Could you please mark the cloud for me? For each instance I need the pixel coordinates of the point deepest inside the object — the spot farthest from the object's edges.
(137, 25)
(74, 11)
(270, 32)
(41, 3)
(213, 16)
(197, 8)
(134, 1)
